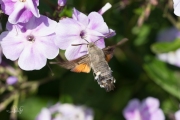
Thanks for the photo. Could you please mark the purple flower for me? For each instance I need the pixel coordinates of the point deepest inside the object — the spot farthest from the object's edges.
(177, 115)
(168, 35)
(172, 57)
(11, 80)
(80, 29)
(31, 42)
(65, 112)
(20, 10)
(147, 110)
(176, 7)
(61, 2)
(106, 7)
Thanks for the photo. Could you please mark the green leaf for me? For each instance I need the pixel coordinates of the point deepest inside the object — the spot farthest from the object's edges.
(163, 47)
(163, 76)
(141, 33)
(32, 107)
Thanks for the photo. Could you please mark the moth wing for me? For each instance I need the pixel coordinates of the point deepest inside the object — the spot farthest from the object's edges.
(81, 68)
(108, 57)
(108, 51)
(78, 65)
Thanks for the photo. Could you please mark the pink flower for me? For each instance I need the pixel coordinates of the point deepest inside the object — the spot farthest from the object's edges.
(65, 112)
(77, 30)
(147, 110)
(176, 7)
(61, 2)
(31, 42)
(20, 10)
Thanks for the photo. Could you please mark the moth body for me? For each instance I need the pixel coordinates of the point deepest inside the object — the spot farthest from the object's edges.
(100, 67)
(96, 59)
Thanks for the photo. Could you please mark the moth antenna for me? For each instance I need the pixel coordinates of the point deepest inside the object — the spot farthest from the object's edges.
(98, 39)
(86, 40)
(52, 74)
(122, 41)
(78, 44)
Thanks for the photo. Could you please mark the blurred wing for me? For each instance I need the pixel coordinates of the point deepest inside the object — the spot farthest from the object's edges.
(108, 51)
(78, 65)
(81, 68)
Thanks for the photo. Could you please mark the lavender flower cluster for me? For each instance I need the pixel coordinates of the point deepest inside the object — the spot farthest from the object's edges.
(65, 112)
(32, 38)
(148, 109)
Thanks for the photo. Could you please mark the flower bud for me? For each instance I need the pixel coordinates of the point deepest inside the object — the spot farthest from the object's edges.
(11, 80)
(61, 2)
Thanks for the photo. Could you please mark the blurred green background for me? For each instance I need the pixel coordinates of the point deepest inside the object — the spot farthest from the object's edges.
(137, 70)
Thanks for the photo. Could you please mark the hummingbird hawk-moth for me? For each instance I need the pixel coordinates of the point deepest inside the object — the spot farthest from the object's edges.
(97, 59)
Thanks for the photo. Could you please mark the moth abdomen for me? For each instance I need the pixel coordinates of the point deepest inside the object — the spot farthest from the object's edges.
(105, 80)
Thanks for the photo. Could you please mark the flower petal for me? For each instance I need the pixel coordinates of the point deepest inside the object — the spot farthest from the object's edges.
(7, 6)
(32, 6)
(97, 23)
(37, 2)
(68, 30)
(47, 47)
(163, 56)
(177, 57)
(74, 52)
(31, 59)
(106, 7)
(54, 108)
(177, 115)
(150, 104)
(157, 115)
(176, 7)
(94, 33)
(168, 35)
(41, 26)
(12, 45)
(20, 14)
(131, 111)
(0, 54)
(20, 27)
(100, 43)
(81, 17)
(171, 58)
(44, 115)
(111, 33)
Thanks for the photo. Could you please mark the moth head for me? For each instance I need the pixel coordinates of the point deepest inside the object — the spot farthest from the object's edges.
(90, 45)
